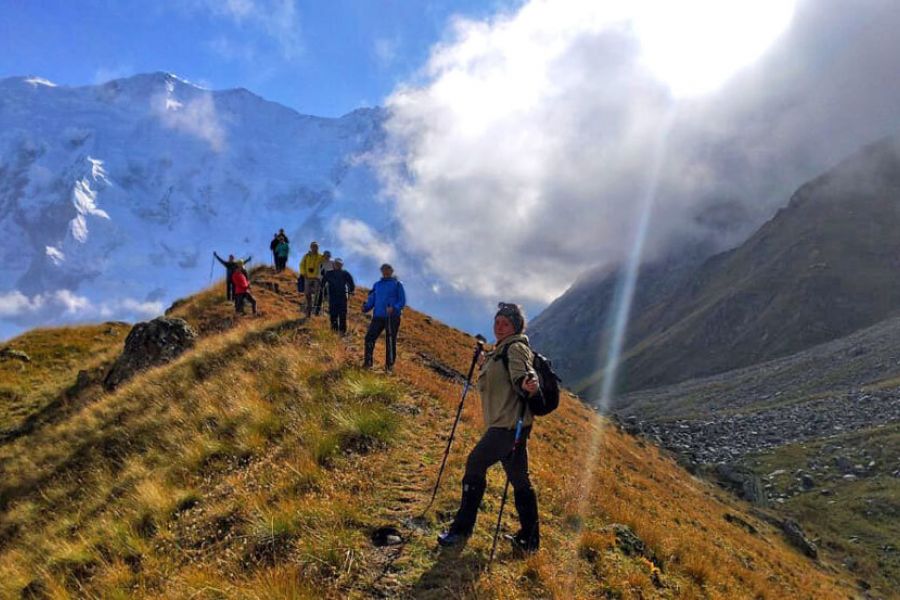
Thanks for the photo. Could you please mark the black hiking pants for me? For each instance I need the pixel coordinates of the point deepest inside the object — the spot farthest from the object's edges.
(378, 325)
(338, 316)
(241, 298)
(496, 446)
(229, 287)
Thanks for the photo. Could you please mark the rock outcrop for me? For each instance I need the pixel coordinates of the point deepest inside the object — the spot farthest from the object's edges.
(148, 344)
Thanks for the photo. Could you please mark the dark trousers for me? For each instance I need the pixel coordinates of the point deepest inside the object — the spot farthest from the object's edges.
(338, 316)
(239, 300)
(378, 325)
(229, 287)
(496, 446)
(280, 262)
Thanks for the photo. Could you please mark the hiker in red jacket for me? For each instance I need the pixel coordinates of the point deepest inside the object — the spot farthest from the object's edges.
(242, 289)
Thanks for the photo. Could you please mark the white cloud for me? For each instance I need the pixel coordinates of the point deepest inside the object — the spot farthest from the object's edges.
(233, 50)
(360, 239)
(197, 117)
(65, 305)
(386, 51)
(278, 20)
(16, 303)
(517, 161)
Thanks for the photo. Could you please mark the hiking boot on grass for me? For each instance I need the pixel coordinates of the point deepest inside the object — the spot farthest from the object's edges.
(450, 538)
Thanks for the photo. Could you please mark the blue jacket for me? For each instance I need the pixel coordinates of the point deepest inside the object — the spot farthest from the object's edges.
(386, 292)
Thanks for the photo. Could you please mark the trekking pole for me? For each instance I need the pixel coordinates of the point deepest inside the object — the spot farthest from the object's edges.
(516, 440)
(388, 350)
(212, 266)
(479, 348)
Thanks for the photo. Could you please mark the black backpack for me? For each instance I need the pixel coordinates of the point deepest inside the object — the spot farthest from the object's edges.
(548, 400)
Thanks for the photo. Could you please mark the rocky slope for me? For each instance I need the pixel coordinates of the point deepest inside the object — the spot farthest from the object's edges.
(820, 430)
(263, 463)
(823, 267)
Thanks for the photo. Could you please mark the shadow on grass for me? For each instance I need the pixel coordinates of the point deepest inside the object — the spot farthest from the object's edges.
(453, 575)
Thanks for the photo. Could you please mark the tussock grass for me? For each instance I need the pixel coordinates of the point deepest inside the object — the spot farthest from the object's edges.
(256, 465)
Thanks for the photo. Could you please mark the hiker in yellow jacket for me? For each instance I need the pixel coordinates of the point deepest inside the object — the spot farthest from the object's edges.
(311, 271)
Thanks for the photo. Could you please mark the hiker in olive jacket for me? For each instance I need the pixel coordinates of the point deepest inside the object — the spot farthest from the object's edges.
(505, 379)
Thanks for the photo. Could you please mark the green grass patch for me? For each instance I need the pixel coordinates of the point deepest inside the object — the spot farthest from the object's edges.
(369, 387)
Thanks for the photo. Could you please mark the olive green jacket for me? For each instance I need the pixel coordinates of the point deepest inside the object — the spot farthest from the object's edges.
(499, 401)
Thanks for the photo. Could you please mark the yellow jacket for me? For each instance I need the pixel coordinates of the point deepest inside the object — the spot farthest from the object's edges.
(311, 265)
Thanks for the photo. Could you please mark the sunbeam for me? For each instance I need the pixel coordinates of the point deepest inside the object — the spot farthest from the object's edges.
(611, 357)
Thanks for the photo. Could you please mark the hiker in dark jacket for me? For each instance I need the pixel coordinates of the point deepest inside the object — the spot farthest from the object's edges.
(272, 245)
(503, 384)
(339, 285)
(230, 265)
(242, 293)
(386, 301)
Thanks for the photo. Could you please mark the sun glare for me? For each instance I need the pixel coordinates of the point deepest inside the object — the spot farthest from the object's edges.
(694, 46)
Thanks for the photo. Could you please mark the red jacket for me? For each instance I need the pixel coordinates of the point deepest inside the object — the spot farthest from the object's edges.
(241, 283)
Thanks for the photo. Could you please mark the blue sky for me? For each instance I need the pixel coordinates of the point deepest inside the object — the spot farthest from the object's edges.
(322, 57)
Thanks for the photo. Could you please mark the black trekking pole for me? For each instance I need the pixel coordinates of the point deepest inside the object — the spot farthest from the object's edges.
(389, 340)
(212, 266)
(518, 438)
(479, 348)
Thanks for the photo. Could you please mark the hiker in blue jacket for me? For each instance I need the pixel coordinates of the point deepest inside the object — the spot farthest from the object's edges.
(387, 298)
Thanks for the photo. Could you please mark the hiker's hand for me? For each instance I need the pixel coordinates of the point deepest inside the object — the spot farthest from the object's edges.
(481, 359)
(390, 310)
(530, 385)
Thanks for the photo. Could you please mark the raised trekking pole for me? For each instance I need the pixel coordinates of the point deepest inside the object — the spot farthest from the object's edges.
(479, 348)
(212, 266)
(515, 448)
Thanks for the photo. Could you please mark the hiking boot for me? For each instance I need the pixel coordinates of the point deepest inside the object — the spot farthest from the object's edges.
(450, 538)
(523, 546)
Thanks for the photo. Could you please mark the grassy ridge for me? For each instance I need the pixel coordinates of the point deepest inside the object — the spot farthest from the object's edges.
(259, 464)
(56, 356)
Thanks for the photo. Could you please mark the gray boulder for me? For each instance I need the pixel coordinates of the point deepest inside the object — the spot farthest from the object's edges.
(149, 344)
(742, 481)
(795, 535)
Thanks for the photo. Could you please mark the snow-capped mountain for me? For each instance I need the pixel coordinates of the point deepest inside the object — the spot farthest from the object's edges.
(113, 197)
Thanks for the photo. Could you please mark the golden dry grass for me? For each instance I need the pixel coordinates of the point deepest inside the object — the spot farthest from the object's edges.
(258, 464)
